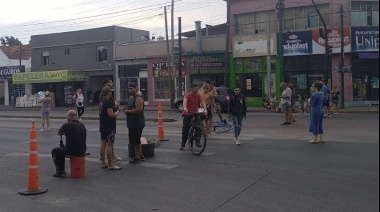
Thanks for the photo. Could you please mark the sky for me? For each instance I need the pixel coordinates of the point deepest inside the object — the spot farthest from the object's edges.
(52, 16)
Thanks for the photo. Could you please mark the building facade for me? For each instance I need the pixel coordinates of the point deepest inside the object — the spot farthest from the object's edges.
(86, 54)
(254, 23)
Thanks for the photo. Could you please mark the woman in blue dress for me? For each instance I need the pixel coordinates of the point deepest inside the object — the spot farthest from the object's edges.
(316, 113)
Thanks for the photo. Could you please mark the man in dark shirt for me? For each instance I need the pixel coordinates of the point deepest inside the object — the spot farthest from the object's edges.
(76, 134)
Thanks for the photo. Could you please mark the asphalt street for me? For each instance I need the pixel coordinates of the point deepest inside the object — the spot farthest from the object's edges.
(275, 169)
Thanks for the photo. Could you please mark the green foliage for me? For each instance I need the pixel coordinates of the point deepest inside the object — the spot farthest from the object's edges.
(9, 41)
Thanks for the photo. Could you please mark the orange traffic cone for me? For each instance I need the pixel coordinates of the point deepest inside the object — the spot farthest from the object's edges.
(161, 134)
(33, 186)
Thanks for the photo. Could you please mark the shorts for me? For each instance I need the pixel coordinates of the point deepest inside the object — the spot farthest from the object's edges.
(134, 135)
(335, 102)
(286, 108)
(108, 135)
(45, 111)
(326, 103)
(209, 112)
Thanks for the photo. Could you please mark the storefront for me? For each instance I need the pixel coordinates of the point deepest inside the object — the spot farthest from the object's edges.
(250, 67)
(160, 81)
(365, 65)
(61, 84)
(9, 91)
(207, 67)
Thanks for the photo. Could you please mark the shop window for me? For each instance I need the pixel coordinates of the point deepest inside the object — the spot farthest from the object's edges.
(161, 88)
(250, 84)
(364, 13)
(306, 17)
(128, 70)
(253, 23)
(45, 58)
(101, 53)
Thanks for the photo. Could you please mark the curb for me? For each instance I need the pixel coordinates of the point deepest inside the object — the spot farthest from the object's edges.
(87, 118)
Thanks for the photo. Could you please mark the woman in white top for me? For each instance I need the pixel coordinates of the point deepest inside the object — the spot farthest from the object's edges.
(79, 102)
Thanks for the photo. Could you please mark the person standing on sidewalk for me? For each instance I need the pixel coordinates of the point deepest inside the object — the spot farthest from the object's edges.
(285, 103)
(45, 111)
(108, 82)
(237, 109)
(107, 129)
(134, 113)
(76, 135)
(316, 113)
(326, 104)
(79, 103)
(335, 100)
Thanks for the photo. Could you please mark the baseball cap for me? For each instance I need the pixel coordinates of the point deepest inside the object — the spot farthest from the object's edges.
(132, 85)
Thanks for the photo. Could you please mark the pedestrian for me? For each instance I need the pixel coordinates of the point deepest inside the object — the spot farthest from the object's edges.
(335, 100)
(76, 134)
(45, 111)
(326, 103)
(302, 104)
(237, 110)
(293, 99)
(208, 100)
(285, 103)
(88, 95)
(316, 113)
(108, 82)
(107, 129)
(79, 102)
(134, 113)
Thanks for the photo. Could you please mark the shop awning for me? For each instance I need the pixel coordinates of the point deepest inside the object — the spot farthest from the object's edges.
(49, 76)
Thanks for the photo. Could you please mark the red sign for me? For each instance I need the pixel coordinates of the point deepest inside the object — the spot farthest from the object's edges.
(333, 38)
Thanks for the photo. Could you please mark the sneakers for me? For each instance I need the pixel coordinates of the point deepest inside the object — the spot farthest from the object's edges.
(41, 130)
(237, 142)
(61, 174)
(134, 161)
(286, 124)
(142, 158)
(47, 129)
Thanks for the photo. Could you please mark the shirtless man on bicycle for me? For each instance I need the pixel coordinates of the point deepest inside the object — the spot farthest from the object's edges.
(191, 102)
(208, 98)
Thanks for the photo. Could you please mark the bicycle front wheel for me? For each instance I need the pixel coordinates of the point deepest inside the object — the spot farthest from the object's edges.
(197, 140)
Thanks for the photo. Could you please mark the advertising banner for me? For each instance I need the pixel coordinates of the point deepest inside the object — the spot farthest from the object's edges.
(254, 45)
(207, 64)
(6, 72)
(297, 43)
(48, 76)
(334, 39)
(365, 39)
(160, 69)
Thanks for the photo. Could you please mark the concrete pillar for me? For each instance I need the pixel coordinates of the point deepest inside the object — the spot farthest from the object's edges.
(6, 93)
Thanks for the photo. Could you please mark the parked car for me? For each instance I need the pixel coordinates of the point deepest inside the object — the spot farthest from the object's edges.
(223, 99)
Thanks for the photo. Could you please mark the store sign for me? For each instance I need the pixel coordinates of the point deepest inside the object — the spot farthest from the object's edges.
(365, 39)
(333, 38)
(254, 45)
(6, 72)
(207, 64)
(297, 43)
(160, 69)
(48, 76)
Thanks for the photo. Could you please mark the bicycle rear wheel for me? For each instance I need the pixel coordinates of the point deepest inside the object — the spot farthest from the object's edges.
(197, 140)
(223, 129)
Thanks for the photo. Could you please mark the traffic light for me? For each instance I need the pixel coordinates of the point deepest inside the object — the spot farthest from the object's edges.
(329, 50)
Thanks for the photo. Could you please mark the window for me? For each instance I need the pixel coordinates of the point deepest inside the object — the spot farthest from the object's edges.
(161, 88)
(306, 17)
(67, 51)
(364, 13)
(253, 23)
(131, 70)
(45, 58)
(101, 53)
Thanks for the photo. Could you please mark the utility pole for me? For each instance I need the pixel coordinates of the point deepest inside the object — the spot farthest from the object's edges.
(227, 52)
(341, 64)
(168, 55)
(179, 56)
(324, 36)
(172, 94)
(280, 7)
(20, 58)
(268, 59)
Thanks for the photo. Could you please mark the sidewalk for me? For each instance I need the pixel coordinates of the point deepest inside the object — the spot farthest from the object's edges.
(92, 112)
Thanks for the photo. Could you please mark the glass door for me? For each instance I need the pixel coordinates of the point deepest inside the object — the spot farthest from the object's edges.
(144, 89)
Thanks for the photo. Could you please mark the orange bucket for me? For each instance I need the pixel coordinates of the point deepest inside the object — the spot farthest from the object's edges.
(78, 167)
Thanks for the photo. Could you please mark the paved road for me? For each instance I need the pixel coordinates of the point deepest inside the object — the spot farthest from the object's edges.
(274, 169)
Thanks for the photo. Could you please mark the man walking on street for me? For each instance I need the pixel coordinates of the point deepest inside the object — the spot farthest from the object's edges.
(285, 103)
(237, 109)
(135, 121)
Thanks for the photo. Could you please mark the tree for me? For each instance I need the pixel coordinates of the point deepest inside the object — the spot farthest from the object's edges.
(9, 41)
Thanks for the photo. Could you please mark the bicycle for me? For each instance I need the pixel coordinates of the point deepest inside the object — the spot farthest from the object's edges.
(222, 126)
(197, 136)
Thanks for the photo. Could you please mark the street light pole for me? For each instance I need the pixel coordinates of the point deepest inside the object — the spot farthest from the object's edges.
(280, 7)
(227, 52)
